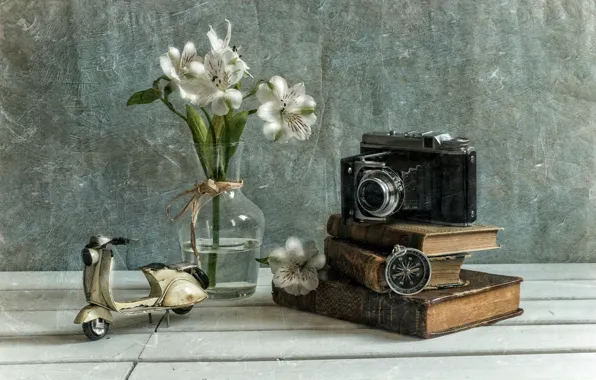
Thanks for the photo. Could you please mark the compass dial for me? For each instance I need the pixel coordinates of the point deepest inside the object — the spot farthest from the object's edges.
(407, 270)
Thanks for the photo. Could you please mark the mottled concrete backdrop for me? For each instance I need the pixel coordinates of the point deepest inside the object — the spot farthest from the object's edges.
(517, 77)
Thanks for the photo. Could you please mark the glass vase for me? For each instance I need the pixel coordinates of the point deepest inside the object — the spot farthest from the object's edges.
(229, 227)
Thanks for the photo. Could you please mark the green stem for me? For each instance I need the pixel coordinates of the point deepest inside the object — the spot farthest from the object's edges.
(206, 115)
(254, 90)
(171, 107)
(212, 258)
(220, 175)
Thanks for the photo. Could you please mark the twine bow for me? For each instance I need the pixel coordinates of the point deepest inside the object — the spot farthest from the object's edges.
(208, 187)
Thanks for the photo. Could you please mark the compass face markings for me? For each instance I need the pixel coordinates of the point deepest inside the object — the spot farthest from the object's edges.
(408, 272)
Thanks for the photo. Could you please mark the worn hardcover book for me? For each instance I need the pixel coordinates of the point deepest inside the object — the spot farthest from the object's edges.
(429, 238)
(366, 265)
(487, 299)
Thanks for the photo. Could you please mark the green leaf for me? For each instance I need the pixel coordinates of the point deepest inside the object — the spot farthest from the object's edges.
(264, 260)
(144, 97)
(197, 125)
(199, 136)
(237, 124)
(218, 124)
(234, 131)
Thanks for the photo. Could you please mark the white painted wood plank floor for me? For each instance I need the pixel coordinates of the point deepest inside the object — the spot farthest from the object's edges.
(253, 338)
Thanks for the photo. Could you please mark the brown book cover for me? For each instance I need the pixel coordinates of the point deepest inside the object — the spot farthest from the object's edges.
(487, 299)
(366, 265)
(431, 239)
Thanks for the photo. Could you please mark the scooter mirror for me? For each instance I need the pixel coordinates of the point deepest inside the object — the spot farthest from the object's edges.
(90, 256)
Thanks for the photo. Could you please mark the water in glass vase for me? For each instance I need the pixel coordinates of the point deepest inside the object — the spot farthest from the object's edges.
(233, 263)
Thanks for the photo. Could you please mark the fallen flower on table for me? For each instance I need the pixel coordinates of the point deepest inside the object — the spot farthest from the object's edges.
(295, 266)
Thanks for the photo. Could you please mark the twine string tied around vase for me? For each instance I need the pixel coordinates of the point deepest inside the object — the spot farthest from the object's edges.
(209, 188)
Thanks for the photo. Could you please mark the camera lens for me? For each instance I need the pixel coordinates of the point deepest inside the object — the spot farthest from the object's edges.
(380, 192)
(373, 195)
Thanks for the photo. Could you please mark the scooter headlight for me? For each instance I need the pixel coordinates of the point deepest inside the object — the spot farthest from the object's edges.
(90, 256)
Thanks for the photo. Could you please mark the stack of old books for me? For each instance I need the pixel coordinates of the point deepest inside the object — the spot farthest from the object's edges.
(355, 288)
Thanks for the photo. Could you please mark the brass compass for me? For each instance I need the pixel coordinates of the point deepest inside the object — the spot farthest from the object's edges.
(407, 270)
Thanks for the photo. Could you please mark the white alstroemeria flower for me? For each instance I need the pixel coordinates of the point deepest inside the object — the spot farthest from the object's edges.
(288, 112)
(217, 44)
(230, 54)
(212, 84)
(178, 67)
(295, 268)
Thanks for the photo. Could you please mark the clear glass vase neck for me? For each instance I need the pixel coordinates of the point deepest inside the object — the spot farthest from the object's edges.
(220, 162)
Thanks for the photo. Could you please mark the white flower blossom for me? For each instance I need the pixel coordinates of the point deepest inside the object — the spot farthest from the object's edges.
(178, 67)
(212, 84)
(287, 112)
(295, 268)
(229, 54)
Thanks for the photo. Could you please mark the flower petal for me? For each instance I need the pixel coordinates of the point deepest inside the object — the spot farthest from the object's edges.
(296, 126)
(308, 279)
(226, 41)
(265, 94)
(317, 261)
(309, 119)
(272, 131)
(166, 65)
(307, 101)
(286, 276)
(235, 73)
(234, 98)
(295, 290)
(295, 250)
(215, 42)
(270, 112)
(174, 55)
(188, 54)
(279, 84)
(277, 258)
(219, 106)
(301, 105)
(296, 92)
(196, 68)
(310, 249)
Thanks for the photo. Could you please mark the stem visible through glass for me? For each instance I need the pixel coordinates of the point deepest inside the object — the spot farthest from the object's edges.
(219, 175)
(212, 259)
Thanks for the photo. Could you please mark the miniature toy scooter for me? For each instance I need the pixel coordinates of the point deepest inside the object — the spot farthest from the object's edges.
(177, 287)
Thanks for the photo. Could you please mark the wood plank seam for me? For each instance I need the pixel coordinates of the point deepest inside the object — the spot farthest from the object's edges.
(377, 356)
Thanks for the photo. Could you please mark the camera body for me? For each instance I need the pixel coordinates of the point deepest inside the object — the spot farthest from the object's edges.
(424, 177)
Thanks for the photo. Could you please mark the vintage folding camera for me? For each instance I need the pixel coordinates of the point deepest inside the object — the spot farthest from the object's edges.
(424, 177)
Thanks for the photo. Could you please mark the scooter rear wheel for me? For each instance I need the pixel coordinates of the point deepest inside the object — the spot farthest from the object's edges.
(182, 310)
(96, 329)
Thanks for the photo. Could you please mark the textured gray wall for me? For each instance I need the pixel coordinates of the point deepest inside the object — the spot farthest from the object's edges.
(517, 77)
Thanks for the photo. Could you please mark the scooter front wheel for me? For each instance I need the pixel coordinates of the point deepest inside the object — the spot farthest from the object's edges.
(96, 329)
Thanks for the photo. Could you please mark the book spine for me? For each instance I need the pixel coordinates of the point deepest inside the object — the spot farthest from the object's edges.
(360, 305)
(359, 264)
(380, 234)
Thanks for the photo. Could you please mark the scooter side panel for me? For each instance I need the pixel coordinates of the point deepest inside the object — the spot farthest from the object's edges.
(182, 292)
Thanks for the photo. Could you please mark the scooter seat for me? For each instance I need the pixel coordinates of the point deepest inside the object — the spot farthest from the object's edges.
(154, 266)
(181, 266)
